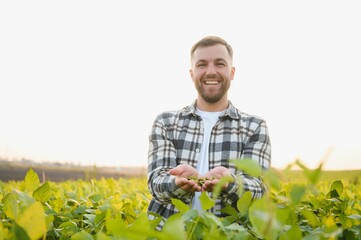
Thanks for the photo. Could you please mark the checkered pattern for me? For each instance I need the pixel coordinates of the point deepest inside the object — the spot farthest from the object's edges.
(176, 138)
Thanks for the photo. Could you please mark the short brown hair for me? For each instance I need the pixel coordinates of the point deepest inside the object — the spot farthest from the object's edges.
(211, 41)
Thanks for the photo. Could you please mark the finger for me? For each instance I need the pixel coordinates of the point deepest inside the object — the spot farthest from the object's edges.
(175, 171)
(208, 175)
(214, 182)
(207, 185)
(190, 187)
(180, 181)
(197, 188)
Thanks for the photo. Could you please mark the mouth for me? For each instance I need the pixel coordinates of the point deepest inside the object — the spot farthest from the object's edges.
(211, 82)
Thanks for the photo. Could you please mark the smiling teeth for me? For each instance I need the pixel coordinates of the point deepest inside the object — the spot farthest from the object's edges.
(211, 82)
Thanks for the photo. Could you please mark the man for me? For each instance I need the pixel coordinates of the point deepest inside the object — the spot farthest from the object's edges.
(200, 139)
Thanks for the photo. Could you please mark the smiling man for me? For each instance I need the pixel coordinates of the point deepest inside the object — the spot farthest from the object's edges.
(198, 141)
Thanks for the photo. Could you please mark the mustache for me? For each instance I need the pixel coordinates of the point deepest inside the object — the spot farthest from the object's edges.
(211, 77)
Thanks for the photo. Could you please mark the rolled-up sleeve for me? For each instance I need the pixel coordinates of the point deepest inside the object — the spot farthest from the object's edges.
(162, 158)
(258, 148)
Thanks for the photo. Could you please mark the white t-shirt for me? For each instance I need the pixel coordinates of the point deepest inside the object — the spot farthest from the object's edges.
(209, 120)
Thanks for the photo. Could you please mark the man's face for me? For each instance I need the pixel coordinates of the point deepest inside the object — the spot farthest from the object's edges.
(212, 72)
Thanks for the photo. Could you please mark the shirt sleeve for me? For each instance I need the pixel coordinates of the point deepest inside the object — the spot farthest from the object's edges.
(258, 148)
(162, 158)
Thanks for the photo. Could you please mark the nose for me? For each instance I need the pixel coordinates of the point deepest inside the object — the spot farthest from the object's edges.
(211, 70)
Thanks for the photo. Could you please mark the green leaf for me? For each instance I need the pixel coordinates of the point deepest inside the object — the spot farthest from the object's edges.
(17, 232)
(333, 195)
(114, 224)
(190, 215)
(244, 202)
(181, 206)
(82, 235)
(219, 186)
(174, 224)
(103, 236)
(68, 228)
(140, 229)
(312, 175)
(32, 220)
(338, 186)
(80, 209)
(24, 199)
(49, 219)
(297, 193)
(211, 219)
(2, 188)
(237, 231)
(230, 211)
(89, 219)
(311, 218)
(248, 166)
(95, 198)
(2, 232)
(99, 218)
(214, 233)
(272, 179)
(31, 181)
(206, 202)
(262, 216)
(293, 233)
(11, 208)
(111, 185)
(42, 194)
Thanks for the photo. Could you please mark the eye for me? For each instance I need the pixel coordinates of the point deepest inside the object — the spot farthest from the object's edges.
(201, 65)
(221, 64)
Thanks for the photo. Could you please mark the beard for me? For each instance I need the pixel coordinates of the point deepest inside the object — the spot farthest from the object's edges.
(212, 95)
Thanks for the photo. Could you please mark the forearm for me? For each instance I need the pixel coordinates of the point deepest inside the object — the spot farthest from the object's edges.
(258, 148)
(242, 183)
(162, 186)
(162, 158)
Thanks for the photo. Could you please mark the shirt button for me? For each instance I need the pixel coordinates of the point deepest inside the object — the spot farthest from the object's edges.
(197, 150)
(202, 129)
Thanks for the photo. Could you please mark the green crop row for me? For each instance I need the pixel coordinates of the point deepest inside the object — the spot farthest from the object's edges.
(116, 209)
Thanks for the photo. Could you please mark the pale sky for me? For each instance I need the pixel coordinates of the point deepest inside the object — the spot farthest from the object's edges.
(82, 81)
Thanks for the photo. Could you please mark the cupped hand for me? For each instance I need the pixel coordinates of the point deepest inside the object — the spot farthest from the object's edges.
(213, 177)
(184, 174)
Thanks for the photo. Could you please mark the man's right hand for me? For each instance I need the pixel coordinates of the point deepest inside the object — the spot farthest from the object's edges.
(182, 172)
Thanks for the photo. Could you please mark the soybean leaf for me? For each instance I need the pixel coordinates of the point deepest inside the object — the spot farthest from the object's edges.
(297, 193)
(31, 181)
(82, 235)
(32, 220)
(181, 206)
(17, 232)
(174, 224)
(248, 166)
(219, 186)
(312, 175)
(206, 202)
(11, 208)
(43, 193)
(244, 202)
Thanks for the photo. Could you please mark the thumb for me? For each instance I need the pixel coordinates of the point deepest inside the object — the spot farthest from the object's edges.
(175, 171)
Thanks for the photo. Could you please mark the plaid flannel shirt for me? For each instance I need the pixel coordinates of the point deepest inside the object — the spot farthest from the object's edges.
(176, 138)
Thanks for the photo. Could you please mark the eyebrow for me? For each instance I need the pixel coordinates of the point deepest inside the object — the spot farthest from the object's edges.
(216, 60)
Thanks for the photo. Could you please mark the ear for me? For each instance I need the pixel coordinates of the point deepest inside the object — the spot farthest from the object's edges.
(191, 73)
(233, 71)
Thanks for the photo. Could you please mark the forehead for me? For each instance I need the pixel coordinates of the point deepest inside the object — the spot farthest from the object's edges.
(218, 51)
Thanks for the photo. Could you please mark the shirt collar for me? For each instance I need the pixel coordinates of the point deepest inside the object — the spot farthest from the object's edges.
(231, 111)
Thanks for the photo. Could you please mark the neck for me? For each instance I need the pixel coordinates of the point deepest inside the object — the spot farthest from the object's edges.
(212, 107)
